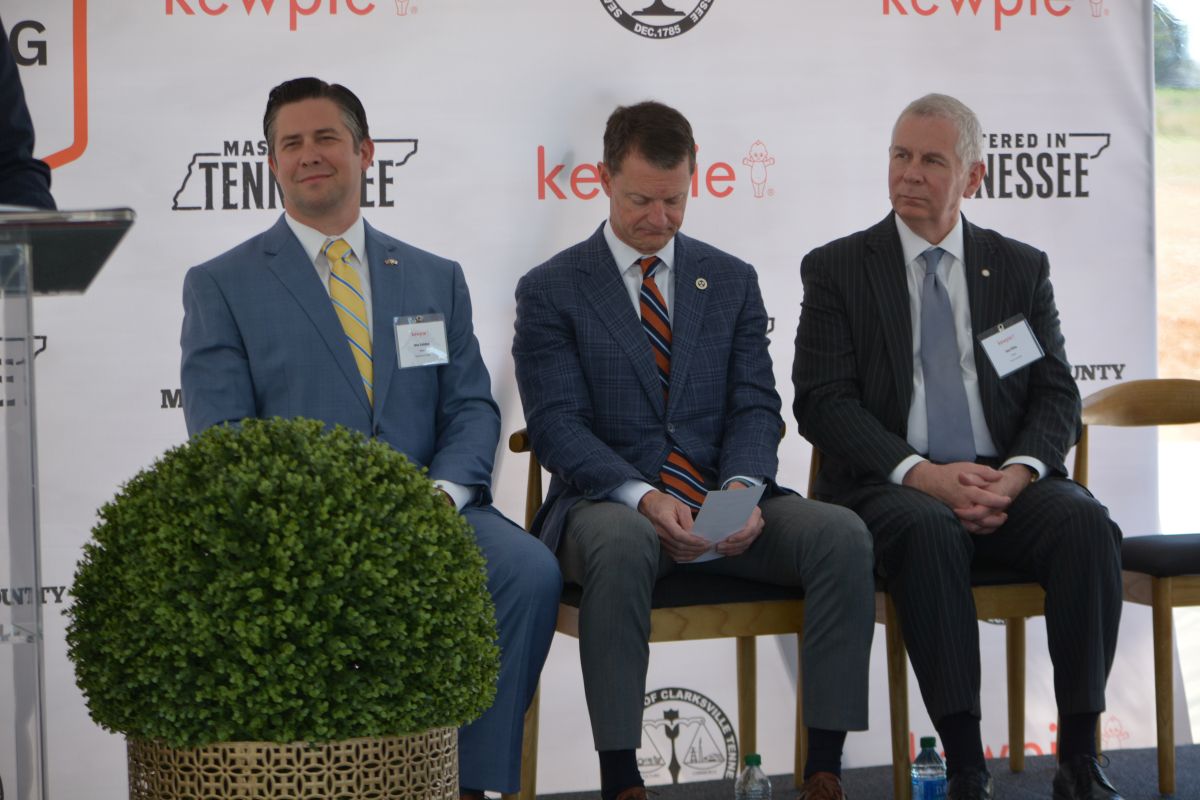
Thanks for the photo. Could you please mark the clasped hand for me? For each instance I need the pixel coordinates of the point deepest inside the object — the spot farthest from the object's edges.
(672, 521)
(978, 495)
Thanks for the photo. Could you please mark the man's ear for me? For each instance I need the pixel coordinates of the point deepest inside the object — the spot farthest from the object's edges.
(605, 178)
(974, 178)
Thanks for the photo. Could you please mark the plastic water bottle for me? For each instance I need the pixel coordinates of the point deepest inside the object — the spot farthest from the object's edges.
(928, 772)
(752, 783)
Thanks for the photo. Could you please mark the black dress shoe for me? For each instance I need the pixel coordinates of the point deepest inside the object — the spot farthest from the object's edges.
(1081, 778)
(971, 783)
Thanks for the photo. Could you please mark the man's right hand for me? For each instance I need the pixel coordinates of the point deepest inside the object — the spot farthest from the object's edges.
(672, 521)
(969, 489)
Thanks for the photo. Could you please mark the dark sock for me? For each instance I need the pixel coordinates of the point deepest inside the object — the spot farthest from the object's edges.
(618, 771)
(961, 741)
(465, 792)
(824, 752)
(1077, 736)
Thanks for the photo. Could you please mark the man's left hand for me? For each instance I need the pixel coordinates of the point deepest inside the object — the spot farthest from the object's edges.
(1012, 481)
(737, 543)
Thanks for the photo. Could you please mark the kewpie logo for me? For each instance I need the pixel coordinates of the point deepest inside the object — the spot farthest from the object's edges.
(295, 8)
(758, 160)
(1000, 9)
(715, 179)
(402, 8)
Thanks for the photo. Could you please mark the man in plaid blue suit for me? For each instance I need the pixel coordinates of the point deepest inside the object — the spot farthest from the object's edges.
(641, 358)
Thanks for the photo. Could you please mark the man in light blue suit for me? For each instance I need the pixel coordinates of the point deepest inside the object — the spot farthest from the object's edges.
(304, 320)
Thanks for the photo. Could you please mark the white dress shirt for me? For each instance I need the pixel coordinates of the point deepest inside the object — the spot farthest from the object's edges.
(952, 272)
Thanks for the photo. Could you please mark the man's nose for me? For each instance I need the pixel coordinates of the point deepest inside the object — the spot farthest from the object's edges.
(309, 153)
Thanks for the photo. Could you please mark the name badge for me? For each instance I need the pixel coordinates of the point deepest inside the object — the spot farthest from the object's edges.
(1011, 345)
(421, 341)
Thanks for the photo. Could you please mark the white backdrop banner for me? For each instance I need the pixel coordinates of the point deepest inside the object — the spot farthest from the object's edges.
(488, 120)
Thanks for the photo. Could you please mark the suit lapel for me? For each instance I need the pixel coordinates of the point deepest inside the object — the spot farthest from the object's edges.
(604, 287)
(986, 293)
(687, 314)
(387, 285)
(889, 287)
(287, 260)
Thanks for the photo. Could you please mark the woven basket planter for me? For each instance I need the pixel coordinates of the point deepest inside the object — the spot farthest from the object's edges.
(417, 767)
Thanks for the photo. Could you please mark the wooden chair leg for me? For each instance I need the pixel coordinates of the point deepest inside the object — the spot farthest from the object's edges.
(1014, 629)
(529, 745)
(801, 728)
(1164, 686)
(897, 662)
(747, 683)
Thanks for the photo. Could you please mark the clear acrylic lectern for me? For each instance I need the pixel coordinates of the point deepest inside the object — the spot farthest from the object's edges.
(41, 252)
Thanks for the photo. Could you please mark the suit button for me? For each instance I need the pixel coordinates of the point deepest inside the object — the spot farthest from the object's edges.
(670, 427)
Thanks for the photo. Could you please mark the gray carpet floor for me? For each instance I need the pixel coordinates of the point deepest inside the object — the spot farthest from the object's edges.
(1133, 772)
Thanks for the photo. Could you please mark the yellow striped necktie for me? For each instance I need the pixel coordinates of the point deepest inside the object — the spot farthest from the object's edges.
(345, 290)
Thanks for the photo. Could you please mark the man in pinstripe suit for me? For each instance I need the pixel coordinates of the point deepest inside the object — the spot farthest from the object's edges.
(866, 394)
(641, 357)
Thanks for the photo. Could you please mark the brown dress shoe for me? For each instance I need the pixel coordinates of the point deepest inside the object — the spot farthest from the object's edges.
(822, 786)
(633, 793)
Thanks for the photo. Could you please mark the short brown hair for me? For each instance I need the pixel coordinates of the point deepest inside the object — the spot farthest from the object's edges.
(297, 89)
(659, 133)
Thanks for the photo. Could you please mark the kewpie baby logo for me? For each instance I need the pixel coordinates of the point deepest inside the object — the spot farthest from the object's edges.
(758, 160)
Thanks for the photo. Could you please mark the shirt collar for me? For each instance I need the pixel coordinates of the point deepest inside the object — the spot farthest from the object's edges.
(313, 241)
(913, 245)
(625, 255)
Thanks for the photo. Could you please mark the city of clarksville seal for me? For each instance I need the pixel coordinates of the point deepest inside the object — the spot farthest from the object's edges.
(658, 19)
(685, 737)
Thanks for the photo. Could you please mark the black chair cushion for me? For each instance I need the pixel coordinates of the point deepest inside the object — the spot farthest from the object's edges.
(988, 574)
(983, 573)
(680, 589)
(1162, 555)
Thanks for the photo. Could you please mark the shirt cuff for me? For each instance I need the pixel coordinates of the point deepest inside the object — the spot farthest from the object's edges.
(897, 476)
(461, 495)
(631, 493)
(744, 479)
(1028, 461)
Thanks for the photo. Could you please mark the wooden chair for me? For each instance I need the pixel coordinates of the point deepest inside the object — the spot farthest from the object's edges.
(1000, 594)
(685, 608)
(1162, 572)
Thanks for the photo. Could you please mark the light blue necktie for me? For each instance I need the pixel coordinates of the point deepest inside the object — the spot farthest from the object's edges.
(950, 436)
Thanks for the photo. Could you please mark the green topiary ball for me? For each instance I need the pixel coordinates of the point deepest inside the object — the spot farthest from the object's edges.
(277, 581)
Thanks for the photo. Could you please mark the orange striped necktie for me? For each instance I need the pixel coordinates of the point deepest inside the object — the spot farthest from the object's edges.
(345, 290)
(679, 477)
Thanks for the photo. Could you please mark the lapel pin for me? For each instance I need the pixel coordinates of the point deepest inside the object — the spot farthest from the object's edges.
(985, 272)
(701, 284)
(391, 262)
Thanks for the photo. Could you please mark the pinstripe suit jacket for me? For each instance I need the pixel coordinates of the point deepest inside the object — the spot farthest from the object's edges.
(853, 371)
(593, 402)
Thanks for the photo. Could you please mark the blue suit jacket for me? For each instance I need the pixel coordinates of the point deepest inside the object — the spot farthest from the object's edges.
(24, 180)
(261, 339)
(593, 402)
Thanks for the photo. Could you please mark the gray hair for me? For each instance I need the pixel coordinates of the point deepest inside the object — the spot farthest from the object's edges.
(969, 148)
